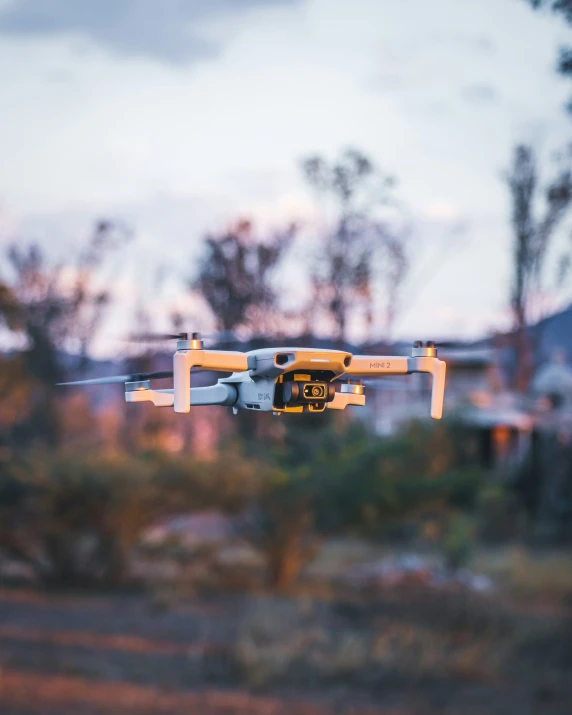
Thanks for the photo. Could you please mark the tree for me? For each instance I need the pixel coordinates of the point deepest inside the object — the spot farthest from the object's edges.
(235, 276)
(533, 231)
(56, 310)
(359, 245)
(564, 8)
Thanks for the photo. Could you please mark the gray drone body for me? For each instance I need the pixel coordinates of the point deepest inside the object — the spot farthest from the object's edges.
(278, 379)
(275, 371)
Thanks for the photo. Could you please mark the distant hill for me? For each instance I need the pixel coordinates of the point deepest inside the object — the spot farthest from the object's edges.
(551, 334)
(548, 335)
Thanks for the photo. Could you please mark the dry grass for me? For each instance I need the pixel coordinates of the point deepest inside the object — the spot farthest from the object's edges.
(406, 634)
(528, 573)
(407, 650)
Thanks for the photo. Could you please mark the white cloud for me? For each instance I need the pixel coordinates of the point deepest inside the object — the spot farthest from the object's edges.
(171, 31)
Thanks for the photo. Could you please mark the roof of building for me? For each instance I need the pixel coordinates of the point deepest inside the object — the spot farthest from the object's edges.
(554, 377)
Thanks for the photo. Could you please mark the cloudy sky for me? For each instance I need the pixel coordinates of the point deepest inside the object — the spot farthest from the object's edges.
(178, 116)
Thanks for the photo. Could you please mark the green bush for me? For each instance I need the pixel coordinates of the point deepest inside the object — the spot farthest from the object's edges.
(328, 474)
(181, 484)
(458, 541)
(369, 482)
(75, 518)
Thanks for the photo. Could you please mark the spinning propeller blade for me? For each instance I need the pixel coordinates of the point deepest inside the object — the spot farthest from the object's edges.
(118, 379)
(156, 337)
(222, 335)
(452, 344)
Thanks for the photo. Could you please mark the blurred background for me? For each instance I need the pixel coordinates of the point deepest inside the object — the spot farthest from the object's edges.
(354, 175)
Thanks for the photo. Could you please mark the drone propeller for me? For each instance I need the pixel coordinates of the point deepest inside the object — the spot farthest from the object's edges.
(118, 379)
(222, 335)
(156, 337)
(451, 344)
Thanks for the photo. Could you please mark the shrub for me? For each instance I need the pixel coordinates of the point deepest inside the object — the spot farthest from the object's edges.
(74, 518)
(373, 482)
(458, 541)
(326, 475)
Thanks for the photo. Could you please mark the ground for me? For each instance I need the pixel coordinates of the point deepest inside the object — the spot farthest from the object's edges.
(409, 652)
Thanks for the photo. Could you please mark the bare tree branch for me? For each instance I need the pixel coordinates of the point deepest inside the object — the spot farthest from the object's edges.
(358, 251)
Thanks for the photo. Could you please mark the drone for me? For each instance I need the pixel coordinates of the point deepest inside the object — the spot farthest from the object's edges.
(277, 380)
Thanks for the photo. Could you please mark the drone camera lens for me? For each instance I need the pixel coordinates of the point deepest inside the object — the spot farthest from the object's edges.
(317, 392)
(312, 394)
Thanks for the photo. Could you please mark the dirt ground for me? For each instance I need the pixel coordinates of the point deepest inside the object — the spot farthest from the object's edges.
(120, 655)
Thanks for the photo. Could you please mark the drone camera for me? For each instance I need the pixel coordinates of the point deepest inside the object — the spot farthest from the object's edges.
(312, 392)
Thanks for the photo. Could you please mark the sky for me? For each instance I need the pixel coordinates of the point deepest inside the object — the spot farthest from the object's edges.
(178, 117)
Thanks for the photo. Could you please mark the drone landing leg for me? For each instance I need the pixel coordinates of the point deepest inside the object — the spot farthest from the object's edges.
(184, 360)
